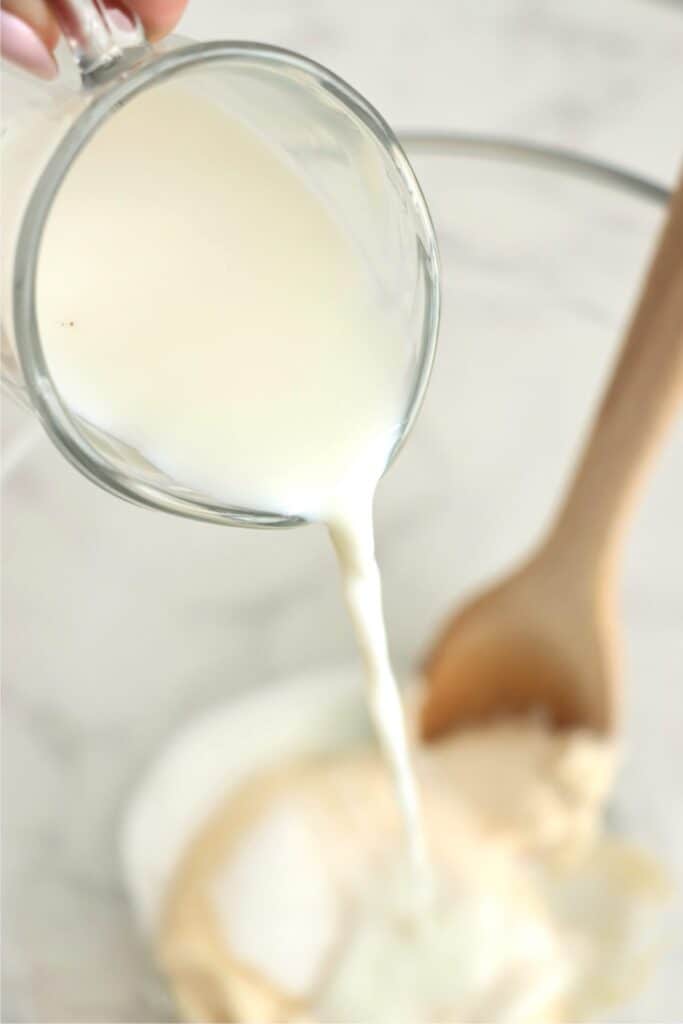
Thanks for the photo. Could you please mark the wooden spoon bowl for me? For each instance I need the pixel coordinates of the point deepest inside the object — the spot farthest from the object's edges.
(513, 649)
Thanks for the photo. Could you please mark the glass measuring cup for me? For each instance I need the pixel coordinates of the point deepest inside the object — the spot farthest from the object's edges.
(339, 144)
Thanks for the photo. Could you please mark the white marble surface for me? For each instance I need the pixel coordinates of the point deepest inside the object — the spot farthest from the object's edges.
(119, 624)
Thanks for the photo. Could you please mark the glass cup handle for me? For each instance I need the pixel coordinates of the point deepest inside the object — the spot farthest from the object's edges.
(103, 37)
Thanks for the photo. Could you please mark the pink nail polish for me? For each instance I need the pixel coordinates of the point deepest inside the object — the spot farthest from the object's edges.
(22, 46)
(118, 16)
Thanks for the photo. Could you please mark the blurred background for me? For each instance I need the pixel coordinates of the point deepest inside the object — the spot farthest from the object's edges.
(602, 76)
(118, 624)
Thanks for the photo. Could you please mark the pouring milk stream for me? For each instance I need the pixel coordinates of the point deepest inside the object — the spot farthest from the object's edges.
(238, 344)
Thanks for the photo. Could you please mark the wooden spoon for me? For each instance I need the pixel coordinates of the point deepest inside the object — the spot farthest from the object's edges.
(546, 635)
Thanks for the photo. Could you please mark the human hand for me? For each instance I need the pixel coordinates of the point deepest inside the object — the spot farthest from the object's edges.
(29, 31)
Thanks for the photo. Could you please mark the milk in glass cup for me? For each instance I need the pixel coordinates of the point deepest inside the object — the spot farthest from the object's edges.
(328, 134)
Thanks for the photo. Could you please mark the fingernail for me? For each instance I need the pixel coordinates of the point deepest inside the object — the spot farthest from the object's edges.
(22, 46)
(118, 16)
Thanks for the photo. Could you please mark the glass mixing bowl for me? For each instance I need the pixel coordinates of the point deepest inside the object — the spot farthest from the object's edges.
(120, 624)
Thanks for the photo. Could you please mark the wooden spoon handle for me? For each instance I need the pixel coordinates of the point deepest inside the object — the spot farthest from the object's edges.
(645, 388)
